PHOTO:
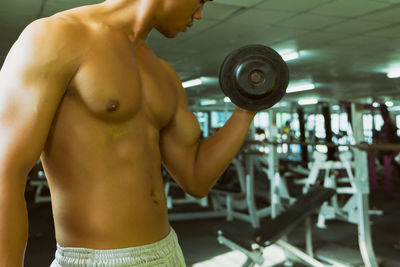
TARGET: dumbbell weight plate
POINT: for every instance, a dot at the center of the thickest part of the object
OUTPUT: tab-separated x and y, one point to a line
254	77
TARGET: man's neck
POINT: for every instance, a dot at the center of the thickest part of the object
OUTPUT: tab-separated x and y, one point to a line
136	18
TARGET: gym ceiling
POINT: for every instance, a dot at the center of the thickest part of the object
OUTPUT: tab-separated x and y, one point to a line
346	47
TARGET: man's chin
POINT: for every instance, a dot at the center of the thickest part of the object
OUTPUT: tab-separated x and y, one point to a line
168	34
171	35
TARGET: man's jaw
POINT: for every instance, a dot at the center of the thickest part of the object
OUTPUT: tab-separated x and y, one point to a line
188	26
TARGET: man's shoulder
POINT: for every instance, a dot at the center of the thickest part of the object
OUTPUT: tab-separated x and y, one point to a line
167	66
172	72
176	79
53	37
169	69
46	41
57	28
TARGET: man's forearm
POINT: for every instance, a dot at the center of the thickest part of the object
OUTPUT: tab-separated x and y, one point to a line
13	225
216	152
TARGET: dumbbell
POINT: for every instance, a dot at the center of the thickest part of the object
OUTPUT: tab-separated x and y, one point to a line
254	77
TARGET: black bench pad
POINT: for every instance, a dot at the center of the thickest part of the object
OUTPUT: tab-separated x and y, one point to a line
272	230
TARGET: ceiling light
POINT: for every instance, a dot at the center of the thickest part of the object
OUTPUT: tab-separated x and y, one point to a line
192	83
375	105
283	104
227	100
300	87
290	56
280	104
393	74
308	101
389	103
208	102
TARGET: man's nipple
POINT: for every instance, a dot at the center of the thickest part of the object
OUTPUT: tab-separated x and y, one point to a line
112	105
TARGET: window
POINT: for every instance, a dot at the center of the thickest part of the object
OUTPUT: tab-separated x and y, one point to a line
219	118
202	117
295	125
261	120
281	119
367	123
315	125
378	122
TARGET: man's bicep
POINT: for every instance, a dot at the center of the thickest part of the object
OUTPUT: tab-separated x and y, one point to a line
178	145
183	131
24	124
180	137
33	80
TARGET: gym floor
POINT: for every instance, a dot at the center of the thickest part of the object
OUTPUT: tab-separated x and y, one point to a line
200	246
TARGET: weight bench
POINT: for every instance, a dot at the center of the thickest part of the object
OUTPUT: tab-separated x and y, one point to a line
218	211
40	185
229	194
274	230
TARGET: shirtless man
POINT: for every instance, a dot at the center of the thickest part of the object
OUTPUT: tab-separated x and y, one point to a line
83	91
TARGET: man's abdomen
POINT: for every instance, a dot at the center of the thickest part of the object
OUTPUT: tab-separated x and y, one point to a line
110	216
105	180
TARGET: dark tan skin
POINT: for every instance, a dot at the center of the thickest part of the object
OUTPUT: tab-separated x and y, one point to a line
82	90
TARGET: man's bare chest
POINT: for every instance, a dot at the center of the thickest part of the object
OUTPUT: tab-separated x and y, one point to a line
116	85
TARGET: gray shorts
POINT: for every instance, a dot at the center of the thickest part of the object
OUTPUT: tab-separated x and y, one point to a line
166	253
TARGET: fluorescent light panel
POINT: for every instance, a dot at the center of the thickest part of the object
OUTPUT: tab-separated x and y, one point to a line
227	100
394	74
290	56
300	87
336	107
208	102
308	101
192	83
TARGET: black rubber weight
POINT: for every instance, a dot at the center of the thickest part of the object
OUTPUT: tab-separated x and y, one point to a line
235	68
